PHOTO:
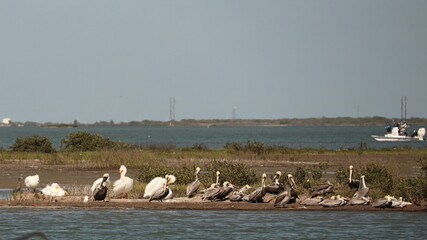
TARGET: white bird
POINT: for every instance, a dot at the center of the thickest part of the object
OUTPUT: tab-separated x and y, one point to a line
54	190
86	199
158	183
31	182
98	182
123	185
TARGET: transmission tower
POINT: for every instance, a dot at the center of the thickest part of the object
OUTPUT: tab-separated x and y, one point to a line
403	110
172	110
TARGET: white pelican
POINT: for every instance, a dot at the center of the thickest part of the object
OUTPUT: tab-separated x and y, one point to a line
54	190
123	185
31	182
158	183
160	193
97	182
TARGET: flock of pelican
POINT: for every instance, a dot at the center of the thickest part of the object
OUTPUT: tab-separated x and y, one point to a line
283	194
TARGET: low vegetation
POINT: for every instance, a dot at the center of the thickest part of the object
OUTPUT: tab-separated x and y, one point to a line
387	171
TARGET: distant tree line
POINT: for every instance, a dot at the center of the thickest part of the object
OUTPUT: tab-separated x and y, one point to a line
322	121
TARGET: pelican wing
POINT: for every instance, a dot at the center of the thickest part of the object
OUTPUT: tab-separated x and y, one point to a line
192	187
154	185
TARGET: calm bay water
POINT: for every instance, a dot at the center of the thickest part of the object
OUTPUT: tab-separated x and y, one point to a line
207	224
216	137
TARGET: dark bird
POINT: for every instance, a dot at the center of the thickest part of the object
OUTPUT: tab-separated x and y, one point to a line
334	201
100	192
288	196
384	202
275	186
362	191
322	189
312	201
213	185
238	195
352	183
193	186
258	194
218	193
18	187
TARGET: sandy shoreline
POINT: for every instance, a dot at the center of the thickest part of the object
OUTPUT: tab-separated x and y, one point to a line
186	204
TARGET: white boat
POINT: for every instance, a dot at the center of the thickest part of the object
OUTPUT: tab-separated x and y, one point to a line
394	136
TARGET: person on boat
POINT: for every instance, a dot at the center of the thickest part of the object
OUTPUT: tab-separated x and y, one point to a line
414	134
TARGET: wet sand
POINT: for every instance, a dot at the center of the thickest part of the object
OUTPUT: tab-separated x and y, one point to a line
181	203
177	205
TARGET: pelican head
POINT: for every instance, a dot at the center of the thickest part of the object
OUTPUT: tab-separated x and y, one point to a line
197	170
264	176
123	169
292	181
106	176
351	166
228	184
217	173
171	179
279	173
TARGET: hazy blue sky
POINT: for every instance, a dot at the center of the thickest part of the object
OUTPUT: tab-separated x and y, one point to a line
123	60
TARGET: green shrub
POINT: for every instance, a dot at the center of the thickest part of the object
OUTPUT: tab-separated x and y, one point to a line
255	147
317	171
300	175
233	146
32	144
378	177
199	147
341	175
84	141
237	173
412	189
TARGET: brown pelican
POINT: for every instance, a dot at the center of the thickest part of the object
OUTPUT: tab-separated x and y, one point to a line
363	190
123	185
98	182
160	193
31	182
384	202
257	195
213	185
275	186
237	196
218	193
322	189
395	203
312	201
352	183
360	201
157	183
334	201
101	191
289	196
19	185
193	186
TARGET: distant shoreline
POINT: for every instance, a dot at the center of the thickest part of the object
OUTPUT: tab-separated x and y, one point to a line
322	121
